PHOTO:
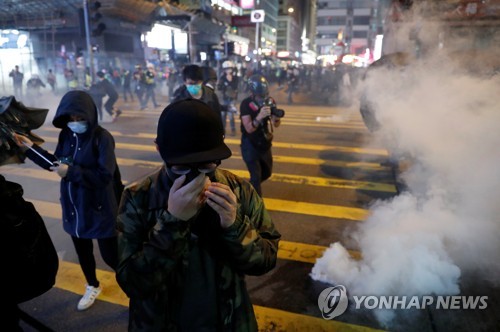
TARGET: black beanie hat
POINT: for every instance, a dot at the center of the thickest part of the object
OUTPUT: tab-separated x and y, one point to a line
189	131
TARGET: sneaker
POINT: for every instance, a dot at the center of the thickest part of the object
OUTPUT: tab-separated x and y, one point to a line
89	297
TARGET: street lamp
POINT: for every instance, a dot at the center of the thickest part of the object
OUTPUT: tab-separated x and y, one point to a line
291	10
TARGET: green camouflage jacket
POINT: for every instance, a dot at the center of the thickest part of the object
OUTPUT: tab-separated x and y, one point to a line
189	275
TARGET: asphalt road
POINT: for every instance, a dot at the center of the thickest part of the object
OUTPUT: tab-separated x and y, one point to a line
327	172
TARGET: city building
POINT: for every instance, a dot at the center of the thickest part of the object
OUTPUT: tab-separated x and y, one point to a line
346	27
289	27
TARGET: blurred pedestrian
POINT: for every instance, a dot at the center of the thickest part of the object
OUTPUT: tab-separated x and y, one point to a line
292	80
51	80
109	90
126	78
189	233
17	80
139	88
228	85
33	86
71	79
149	84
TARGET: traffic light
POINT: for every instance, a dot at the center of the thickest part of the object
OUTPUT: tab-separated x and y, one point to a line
98	27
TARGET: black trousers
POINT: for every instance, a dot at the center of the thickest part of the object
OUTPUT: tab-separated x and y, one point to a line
108	248
259	163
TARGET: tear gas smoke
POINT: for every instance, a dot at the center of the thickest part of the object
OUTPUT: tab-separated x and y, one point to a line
422	241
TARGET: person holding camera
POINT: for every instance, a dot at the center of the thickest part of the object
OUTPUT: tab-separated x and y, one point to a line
259	116
190	232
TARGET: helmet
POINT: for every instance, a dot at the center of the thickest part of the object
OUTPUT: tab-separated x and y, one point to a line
258	85
227	64
189	131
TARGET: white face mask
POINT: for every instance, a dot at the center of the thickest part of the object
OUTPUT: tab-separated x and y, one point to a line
78	127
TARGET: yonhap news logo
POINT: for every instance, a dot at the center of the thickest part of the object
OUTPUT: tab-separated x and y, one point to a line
333	302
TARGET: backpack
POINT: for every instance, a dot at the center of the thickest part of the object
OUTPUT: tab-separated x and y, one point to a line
118	186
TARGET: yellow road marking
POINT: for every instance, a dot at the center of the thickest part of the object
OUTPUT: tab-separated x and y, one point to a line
277	158
322	162
295	251
53	210
313	209
70	278
276	177
323	182
270	319
292	121
294	146
307	253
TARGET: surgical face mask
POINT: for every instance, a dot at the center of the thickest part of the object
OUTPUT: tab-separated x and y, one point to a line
78	127
193	89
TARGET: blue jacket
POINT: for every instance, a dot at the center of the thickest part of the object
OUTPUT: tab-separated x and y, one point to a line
88	200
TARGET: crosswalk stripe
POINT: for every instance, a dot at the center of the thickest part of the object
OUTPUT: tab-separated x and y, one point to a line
323	182
270	319
300	122
295	251
313	209
53	210
371	166
304	252
70	278
276	144
37	173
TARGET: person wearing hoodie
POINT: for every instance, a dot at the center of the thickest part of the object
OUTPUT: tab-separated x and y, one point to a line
85	160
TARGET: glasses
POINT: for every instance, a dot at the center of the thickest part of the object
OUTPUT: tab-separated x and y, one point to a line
202	168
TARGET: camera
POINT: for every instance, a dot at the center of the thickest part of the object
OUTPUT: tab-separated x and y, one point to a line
277	112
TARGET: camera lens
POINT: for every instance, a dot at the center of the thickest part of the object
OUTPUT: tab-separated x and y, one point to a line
278	112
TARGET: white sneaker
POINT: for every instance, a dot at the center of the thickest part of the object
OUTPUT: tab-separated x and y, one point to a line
89	297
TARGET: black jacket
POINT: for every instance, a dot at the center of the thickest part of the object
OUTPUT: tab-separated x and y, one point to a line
208	97
88	200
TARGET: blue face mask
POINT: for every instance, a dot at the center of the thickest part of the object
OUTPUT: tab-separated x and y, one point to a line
193	89
78	127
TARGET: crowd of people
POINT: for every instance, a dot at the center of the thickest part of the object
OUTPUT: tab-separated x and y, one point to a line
333	84
173	236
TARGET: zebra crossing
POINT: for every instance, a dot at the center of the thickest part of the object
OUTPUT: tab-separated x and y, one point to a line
136	154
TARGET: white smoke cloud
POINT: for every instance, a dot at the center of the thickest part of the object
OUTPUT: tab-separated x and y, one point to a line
422	241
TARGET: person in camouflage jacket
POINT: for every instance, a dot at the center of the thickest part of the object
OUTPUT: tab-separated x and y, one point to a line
187	241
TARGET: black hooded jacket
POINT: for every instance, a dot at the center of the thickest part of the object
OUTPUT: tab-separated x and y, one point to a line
89	204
